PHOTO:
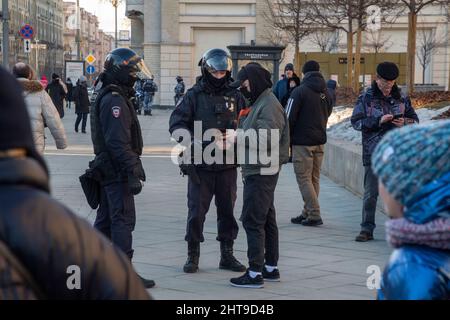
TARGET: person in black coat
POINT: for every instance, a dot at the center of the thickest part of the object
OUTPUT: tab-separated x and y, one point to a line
69	97
331	87
308	110
292	83
46	251
82	103
58	93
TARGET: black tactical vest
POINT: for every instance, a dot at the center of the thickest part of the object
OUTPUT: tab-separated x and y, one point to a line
216	111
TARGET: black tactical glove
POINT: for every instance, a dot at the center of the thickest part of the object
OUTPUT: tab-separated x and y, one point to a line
135	184
138	171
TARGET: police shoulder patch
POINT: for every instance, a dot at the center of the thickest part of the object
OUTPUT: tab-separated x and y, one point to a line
116	111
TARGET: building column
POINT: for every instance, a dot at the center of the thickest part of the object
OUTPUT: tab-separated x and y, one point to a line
152	40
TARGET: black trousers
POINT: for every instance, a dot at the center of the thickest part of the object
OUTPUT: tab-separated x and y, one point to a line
83	124
222	185
116	216
259	221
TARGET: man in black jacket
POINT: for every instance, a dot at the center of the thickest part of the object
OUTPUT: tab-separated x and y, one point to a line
46	251
117	140
214	104
58	93
308	110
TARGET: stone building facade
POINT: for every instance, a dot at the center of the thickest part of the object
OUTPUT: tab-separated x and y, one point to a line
173	34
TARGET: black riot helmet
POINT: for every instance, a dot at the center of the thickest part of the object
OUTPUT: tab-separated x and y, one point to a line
125	67
216	60
179	78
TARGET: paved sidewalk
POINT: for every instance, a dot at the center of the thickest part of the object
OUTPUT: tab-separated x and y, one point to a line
315	262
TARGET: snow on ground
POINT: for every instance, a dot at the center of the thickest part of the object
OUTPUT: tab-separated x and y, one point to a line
339	126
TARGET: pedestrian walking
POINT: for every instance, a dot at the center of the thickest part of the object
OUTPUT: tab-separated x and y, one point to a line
82	103
40	109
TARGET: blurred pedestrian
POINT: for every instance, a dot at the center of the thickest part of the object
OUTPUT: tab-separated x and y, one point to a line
40	108
149	88
281	88
179	89
413	168
331	87
44	81
82	103
58	93
69	97
292	83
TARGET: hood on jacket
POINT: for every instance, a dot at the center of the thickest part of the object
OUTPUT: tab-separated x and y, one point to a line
258	77
30	85
315	81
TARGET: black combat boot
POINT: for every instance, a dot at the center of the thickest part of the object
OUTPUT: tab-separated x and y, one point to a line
191	265
227	260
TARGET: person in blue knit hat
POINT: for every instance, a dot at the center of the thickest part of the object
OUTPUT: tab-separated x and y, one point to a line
413	168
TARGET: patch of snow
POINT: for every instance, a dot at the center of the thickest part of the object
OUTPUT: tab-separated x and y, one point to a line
340	128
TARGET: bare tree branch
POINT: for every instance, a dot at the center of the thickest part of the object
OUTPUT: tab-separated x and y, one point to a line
428	45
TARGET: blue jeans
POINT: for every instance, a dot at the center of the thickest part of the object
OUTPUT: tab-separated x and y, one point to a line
369	200
148	102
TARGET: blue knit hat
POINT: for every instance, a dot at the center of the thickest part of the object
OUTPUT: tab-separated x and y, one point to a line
409	158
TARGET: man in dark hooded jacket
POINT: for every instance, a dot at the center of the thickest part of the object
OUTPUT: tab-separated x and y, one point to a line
308	110
267	119
58	93
46	251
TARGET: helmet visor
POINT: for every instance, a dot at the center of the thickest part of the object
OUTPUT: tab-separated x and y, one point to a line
219	63
143	72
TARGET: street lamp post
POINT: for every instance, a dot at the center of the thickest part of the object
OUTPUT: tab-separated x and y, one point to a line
5	44
115	4
78	32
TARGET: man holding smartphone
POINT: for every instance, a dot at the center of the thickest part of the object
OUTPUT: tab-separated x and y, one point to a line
381	108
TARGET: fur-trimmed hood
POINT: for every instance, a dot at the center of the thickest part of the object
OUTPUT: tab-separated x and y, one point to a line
31	86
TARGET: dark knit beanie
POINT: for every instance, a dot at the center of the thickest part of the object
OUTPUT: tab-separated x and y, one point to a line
289	66
388	70
310	65
15	127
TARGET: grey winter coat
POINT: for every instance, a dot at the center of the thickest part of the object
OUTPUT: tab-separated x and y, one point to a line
42	112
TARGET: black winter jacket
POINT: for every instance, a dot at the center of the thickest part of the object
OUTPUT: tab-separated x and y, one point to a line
308	110
51	242
81	98
57	93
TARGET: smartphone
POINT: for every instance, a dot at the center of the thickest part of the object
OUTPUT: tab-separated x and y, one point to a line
398	116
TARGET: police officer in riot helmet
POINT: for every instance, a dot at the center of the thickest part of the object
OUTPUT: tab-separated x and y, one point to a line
117	140
216	104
